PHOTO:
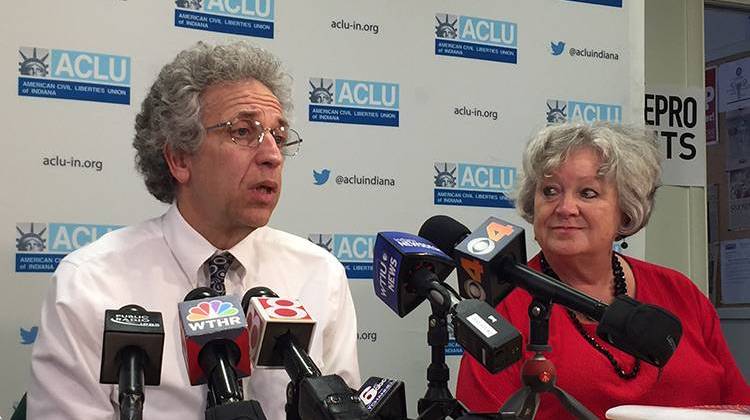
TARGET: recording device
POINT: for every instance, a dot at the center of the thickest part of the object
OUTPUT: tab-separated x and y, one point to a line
215	344
405	268
132	349
281	331
495	253
487	336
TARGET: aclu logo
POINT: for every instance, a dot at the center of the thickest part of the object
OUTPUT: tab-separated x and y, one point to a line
346	101
354	251
612	3
560	111
28	337
76	75
239	17
469	184
41	246
476	38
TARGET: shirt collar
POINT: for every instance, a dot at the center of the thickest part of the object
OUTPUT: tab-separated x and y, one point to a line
190	249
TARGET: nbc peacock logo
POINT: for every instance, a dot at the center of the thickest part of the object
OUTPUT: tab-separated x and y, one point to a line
214	309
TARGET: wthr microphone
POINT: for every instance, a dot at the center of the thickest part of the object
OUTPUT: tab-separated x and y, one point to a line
405	268
215	344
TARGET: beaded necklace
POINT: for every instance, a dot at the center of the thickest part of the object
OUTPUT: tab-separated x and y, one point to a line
620	289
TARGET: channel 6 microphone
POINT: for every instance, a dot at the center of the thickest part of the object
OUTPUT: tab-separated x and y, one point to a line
215	343
495	252
403	264
132	351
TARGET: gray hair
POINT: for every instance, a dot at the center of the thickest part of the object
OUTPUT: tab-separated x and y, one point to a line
629	157
171	112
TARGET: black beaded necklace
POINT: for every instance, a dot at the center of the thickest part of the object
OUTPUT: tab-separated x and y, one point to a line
621	288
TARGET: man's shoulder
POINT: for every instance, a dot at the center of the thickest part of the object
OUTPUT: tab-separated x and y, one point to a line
288	242
125	242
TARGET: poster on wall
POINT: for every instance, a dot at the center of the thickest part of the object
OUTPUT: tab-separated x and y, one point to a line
735	271
711	117
739	199
734	86
673	114
738	140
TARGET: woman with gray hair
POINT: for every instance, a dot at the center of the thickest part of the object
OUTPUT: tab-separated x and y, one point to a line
583	188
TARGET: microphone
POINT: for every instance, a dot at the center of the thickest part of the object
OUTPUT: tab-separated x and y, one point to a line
384	398
495	253
279	322
406	268
476	278
132	349
280	334
215	344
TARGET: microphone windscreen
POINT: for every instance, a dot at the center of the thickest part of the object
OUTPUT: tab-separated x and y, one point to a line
258	291
270	318
444	232
204	321
200	293
133	326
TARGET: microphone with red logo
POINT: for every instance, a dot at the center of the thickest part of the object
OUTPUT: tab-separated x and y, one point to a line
215	346
281	330
132	350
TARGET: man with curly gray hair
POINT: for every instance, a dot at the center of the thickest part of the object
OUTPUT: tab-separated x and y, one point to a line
211	140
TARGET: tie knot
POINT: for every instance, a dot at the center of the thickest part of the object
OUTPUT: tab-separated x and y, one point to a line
218	265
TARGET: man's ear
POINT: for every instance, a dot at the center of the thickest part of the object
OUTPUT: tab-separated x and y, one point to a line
178	162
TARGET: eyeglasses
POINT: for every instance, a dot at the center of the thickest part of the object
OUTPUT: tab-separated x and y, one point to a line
249	133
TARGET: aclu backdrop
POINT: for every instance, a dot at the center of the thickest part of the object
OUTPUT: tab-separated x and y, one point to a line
408	109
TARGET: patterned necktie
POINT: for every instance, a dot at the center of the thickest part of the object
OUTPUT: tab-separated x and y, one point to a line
218	265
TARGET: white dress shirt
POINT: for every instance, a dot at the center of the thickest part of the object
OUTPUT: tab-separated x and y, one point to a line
155	264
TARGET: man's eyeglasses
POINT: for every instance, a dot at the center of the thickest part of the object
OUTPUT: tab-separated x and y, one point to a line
246	132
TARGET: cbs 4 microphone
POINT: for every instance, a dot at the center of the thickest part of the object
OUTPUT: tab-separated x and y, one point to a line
407	269
281	331
216	350
491	263
132	350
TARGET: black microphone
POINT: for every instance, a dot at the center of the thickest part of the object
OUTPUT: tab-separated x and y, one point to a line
407	269
132	350
281	331
384	398
495	253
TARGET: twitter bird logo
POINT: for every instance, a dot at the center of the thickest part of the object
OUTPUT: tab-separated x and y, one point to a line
557	48
28	336
320	178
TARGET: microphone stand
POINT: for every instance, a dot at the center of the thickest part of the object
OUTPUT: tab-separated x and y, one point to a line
539	374
438	402
131	381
